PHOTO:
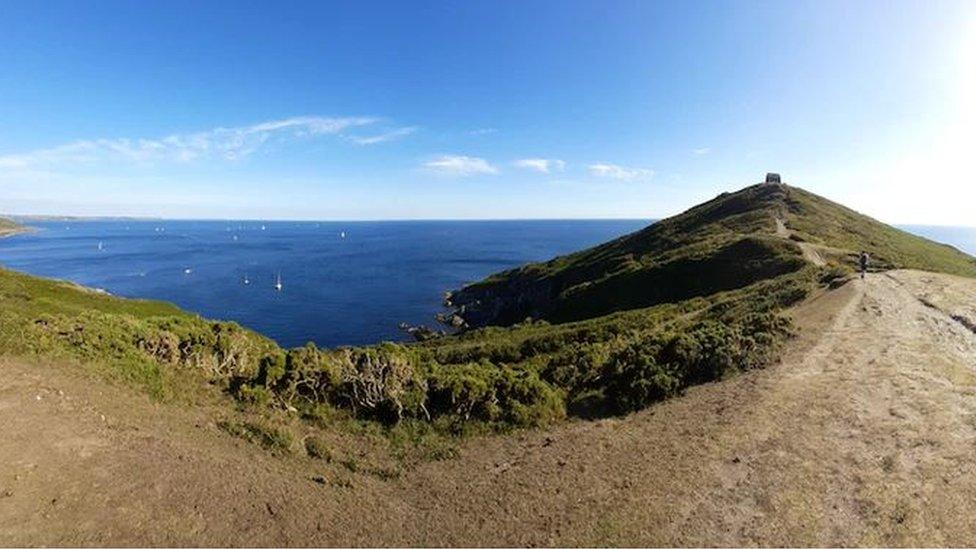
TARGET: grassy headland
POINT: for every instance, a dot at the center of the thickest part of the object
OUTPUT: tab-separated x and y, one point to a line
728	242
690	299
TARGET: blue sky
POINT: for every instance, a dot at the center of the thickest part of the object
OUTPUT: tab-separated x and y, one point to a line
558	109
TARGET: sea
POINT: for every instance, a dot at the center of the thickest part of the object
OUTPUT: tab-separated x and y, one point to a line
342	283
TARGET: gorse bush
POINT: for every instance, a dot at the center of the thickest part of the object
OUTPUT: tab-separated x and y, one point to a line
466	390
489	393
634	378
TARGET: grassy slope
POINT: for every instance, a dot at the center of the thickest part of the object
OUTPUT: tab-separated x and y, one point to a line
124	339
821	221
722	244
693	253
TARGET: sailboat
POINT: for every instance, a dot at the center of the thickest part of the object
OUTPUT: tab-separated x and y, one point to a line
247	280
278	285
101	246
342	234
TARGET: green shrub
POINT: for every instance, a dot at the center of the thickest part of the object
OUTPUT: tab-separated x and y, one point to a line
311	376
634	378
590	404
577	364
486	392
526	400
703	354
465	390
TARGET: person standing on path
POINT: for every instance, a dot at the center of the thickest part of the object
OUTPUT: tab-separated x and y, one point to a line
863	262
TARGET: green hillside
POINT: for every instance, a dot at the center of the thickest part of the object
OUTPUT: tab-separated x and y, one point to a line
690	299
726	243
150	344
822	222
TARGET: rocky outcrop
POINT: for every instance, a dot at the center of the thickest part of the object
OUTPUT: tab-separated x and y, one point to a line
513	301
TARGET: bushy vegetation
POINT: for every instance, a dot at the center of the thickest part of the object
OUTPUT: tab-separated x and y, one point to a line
528	375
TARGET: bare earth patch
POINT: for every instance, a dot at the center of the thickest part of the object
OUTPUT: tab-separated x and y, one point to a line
862	435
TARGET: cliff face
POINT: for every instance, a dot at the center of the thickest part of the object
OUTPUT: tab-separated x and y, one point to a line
728	242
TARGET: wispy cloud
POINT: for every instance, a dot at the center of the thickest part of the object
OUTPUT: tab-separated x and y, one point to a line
483	131
457	165
383	137
542	165
220	143
701	151
623	173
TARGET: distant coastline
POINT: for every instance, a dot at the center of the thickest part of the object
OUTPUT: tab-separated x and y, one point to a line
77	218
11	228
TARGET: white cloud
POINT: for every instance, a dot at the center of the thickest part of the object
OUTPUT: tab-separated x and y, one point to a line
542	165
460	165
386	136
701	151
483	131
613	171
221	143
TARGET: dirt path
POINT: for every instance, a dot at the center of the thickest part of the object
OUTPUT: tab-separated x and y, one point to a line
863	435
810	252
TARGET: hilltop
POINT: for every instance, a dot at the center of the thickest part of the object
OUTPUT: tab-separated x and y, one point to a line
731	241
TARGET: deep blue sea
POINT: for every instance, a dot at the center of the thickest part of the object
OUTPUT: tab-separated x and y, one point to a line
336	291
